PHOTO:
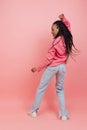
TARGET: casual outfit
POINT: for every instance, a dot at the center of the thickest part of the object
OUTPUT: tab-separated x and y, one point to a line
54	64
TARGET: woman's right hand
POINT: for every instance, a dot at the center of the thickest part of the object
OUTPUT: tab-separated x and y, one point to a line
61	16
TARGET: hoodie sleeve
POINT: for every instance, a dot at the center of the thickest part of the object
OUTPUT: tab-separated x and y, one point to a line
67	23
48	59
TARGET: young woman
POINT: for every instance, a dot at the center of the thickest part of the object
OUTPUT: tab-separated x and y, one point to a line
55	64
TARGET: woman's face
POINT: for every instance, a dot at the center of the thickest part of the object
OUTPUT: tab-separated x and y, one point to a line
54	30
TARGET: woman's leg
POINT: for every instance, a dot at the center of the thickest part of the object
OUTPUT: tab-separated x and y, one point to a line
60	76
46	77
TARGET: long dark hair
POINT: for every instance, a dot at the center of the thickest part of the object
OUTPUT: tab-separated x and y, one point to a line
68	38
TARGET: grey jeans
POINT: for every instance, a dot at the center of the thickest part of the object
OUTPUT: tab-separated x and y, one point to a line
59	71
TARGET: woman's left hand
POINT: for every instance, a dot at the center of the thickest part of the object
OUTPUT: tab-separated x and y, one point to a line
34	69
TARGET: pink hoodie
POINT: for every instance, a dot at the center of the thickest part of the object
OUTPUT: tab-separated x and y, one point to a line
57	53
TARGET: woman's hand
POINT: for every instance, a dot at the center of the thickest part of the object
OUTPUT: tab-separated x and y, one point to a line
33	69
61	16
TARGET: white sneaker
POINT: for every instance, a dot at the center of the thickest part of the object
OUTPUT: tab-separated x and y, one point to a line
33	114
63	118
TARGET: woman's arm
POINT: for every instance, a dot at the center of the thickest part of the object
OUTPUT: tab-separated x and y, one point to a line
65	21
48	59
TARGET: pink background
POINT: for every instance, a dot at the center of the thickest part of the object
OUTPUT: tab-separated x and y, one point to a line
25	36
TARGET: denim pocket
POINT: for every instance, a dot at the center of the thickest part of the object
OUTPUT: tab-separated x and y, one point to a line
52	68
63	68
